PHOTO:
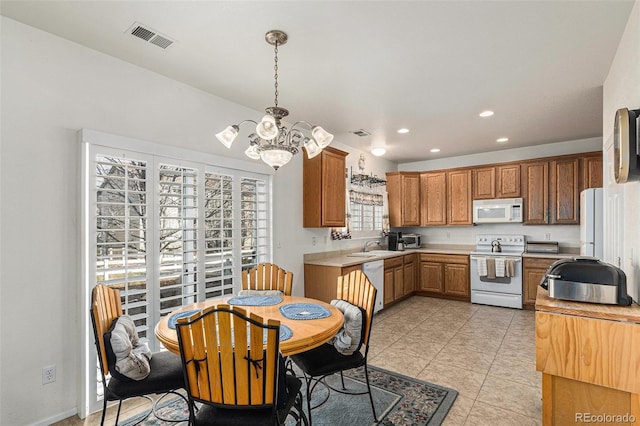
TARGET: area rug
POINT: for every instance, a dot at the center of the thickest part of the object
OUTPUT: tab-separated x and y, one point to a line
399	400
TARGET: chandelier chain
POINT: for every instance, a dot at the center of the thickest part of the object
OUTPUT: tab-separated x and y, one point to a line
275	68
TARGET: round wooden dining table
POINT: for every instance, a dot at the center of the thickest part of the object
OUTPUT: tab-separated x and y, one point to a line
306	334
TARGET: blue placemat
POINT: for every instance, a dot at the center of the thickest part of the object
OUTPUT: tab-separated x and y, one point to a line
255	300
285	333
175	317
304	311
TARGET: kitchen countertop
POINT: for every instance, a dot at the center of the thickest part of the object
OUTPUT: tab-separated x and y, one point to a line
566	253
590	310
341	259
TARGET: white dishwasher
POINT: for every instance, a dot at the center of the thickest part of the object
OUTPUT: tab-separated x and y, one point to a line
374	270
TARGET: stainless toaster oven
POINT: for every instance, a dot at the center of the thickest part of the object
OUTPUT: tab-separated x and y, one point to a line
411	240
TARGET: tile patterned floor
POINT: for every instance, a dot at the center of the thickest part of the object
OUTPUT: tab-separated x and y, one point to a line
486	353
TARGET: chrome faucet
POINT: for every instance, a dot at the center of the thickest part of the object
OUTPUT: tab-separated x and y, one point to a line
368	243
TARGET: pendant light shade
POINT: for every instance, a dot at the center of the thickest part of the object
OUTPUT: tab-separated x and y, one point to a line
228	135
267	128
312	148
275	157
322	137
272	141
252	152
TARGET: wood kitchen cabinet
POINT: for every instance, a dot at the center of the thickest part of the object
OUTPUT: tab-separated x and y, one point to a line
484	183
508	181
404	198
445	274
321	282
564	191
409	277
533	270
591	167
399	277
459	197
551	189
502	181
535	178
433	192
324	189
393	279
587	354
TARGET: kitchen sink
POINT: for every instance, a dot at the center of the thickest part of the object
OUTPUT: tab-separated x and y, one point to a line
362	254
371	253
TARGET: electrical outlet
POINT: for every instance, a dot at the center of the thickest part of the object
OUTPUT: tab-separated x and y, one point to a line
313	241
547	236
48	374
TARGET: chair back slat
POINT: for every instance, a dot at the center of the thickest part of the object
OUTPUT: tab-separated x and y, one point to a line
243	366
191	370
106	306
230	363
272	365
267	276
226	351
256	352
356	289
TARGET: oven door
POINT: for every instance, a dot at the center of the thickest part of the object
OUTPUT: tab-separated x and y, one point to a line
511	285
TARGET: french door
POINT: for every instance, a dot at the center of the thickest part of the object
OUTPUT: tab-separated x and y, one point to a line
167	232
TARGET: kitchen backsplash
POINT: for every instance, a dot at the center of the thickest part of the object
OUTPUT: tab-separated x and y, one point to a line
566	235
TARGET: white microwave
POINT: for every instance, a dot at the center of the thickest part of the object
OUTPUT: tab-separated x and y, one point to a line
501	210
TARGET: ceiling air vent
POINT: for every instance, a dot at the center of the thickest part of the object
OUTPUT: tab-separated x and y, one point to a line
361	132
147	34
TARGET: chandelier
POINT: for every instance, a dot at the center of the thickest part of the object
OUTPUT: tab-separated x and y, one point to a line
272	141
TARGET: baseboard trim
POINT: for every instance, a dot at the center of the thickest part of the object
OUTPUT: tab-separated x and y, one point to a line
56	418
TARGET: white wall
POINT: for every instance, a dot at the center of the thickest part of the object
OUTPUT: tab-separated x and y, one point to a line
507	154
567	235
622	90
50	89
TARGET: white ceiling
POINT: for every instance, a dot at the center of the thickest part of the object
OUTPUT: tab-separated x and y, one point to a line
430	66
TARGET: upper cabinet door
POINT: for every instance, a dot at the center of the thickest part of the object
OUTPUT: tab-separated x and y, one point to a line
410	199
592	171
508	181
564	191
484	183
459	197
334	195
433	191
404	198
536	196
324	189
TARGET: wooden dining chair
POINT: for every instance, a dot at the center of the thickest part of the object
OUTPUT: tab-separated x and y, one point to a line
267	276
233	368
325	360
165	374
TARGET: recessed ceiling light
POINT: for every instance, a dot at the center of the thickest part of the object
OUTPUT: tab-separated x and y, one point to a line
486	113
502	140
403	130
435	150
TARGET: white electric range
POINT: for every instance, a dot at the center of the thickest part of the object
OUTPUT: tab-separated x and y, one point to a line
496	276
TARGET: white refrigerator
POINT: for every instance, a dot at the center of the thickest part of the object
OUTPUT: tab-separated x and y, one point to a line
591	208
